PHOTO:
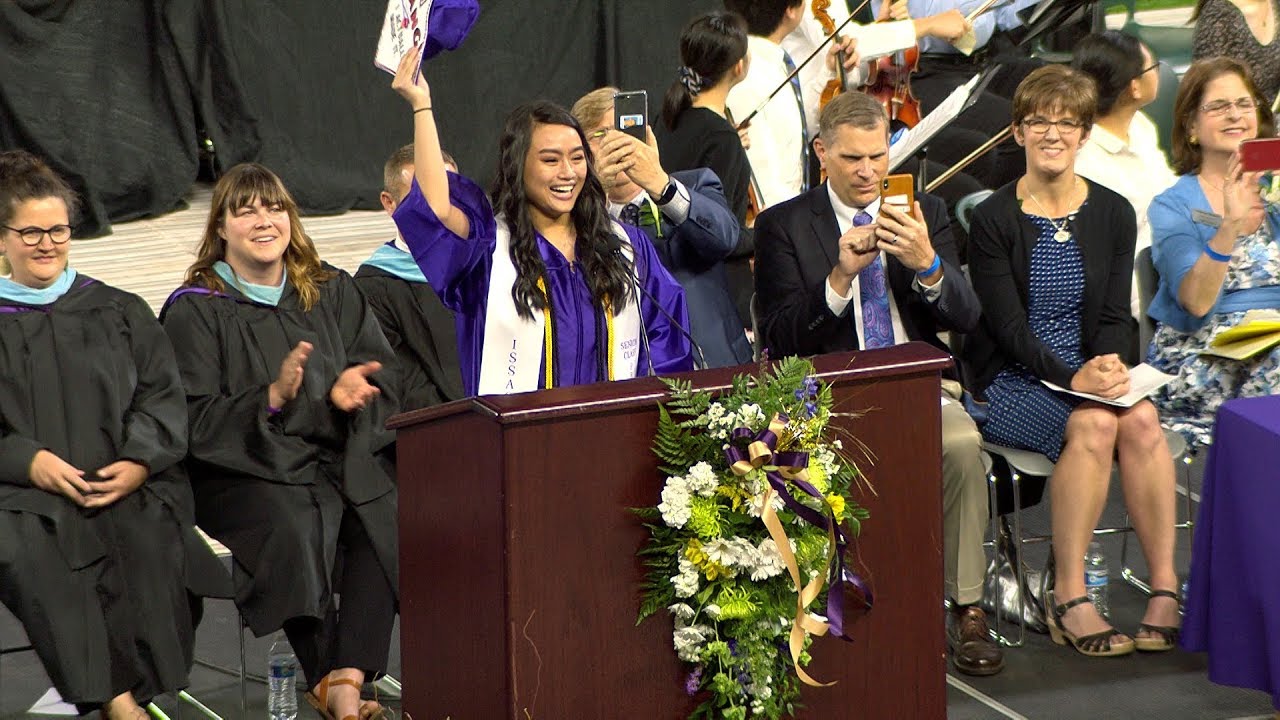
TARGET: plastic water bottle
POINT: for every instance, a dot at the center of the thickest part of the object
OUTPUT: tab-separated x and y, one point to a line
1096	577
282	673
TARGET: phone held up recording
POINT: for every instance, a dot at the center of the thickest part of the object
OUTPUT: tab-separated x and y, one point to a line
631	113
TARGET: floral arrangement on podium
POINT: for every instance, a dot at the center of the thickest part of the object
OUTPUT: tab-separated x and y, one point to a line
749	537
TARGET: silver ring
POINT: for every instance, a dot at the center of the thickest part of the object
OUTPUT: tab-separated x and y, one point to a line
894	239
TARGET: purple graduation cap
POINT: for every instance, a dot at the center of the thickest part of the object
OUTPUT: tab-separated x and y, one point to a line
448	25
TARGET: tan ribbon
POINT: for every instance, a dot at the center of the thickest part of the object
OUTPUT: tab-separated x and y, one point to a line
760	453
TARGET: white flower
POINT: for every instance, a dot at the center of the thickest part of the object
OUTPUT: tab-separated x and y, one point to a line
770	562
702	480
721	552
712	610
745	554
682	613
715	411
686	583
837	444
750	415
675	503
688	641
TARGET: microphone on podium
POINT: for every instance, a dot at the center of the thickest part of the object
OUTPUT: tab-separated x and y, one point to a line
699	357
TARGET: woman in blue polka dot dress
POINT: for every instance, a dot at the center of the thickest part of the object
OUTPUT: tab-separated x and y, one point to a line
1051	256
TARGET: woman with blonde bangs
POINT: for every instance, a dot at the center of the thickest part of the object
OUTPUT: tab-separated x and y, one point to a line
1051	257
280	358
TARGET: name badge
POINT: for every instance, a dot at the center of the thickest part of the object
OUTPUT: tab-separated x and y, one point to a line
1206	218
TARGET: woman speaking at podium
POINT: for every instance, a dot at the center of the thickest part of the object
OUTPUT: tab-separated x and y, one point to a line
548	291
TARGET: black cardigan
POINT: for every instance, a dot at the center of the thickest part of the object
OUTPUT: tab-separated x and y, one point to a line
1000	241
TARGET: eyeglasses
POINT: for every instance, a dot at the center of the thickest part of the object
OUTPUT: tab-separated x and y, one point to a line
1221	107
1154	64
1040	126
31	236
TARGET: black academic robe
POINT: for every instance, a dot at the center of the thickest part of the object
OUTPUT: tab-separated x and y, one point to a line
422	333
91	378
273	487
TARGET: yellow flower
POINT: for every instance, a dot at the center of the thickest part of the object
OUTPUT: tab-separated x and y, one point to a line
837	505
818	475
715	570
693	552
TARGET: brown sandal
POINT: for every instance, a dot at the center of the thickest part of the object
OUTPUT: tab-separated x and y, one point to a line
1099	644
319	698
1163	637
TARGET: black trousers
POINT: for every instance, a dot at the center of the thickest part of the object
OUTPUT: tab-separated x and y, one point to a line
356	633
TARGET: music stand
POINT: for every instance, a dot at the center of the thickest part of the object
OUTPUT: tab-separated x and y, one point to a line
916	140
1050	15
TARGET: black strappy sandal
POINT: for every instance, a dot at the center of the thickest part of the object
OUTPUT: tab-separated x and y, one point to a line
1099	644
1163	637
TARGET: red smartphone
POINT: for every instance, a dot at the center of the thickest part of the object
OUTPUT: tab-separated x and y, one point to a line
1260	155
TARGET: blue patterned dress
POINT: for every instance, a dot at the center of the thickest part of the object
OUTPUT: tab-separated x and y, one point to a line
1023	412
1203	382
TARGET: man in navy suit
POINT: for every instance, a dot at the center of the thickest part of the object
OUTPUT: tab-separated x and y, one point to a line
837	269
687	217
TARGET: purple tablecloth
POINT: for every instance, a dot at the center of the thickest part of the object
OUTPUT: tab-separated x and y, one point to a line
1233	604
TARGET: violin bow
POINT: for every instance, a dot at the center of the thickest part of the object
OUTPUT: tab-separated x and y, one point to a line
747	120
989	4
751	172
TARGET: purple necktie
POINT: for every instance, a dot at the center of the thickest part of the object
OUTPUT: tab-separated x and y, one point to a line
877	326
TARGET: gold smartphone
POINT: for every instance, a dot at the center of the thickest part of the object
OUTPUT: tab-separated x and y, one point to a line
899	191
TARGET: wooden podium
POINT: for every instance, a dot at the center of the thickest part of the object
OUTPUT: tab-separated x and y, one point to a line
519	584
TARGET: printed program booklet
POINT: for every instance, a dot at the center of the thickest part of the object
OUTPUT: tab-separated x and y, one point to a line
1143	380
1259	330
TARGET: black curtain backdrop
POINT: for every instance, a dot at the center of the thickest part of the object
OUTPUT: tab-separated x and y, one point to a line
118	95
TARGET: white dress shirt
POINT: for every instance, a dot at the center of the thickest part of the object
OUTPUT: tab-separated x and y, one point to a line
840	303
777	144
883	39
1137	170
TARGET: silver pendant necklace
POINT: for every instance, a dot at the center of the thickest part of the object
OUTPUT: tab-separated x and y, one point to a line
1061	234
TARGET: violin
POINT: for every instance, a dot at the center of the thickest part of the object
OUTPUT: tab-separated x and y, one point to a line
838	84
889	81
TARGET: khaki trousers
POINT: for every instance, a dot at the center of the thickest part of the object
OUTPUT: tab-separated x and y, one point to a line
965	509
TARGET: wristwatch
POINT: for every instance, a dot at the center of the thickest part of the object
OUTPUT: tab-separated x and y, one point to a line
668	193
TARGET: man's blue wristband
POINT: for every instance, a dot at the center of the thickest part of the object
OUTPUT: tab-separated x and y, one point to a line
1214	255
937	264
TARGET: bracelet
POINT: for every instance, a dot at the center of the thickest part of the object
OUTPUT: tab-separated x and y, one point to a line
272	410
937	264
1214	255
425	109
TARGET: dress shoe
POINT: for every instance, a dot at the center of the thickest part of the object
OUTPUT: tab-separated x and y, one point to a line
972	649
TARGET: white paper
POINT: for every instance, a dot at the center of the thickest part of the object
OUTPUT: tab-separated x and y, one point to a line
51	703
403	27
912	140
1143	380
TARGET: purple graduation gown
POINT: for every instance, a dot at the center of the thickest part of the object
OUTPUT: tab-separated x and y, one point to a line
459	270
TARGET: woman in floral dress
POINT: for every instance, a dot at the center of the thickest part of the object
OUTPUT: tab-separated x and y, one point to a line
1214	246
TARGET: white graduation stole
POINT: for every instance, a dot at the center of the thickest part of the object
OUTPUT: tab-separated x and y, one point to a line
514	346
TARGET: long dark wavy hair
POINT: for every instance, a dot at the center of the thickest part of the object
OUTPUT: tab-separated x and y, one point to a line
710	46
606	270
